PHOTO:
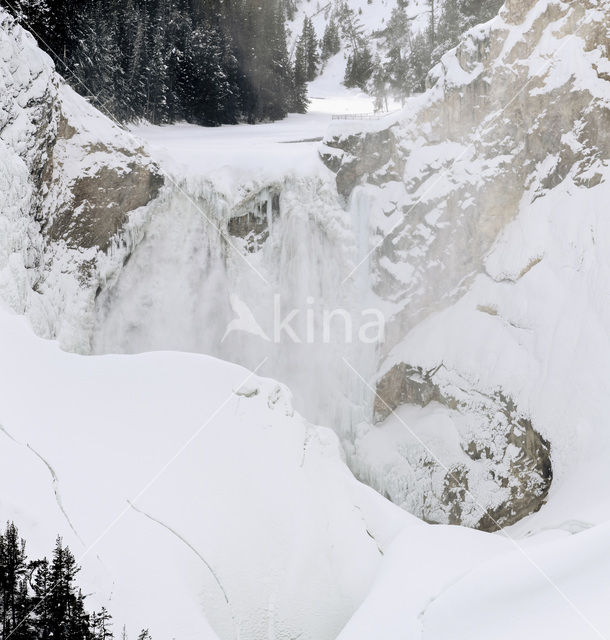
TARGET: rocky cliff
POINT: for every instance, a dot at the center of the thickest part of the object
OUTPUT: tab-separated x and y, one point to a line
72	183
517	112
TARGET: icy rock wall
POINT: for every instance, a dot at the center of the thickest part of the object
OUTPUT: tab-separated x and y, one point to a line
519	109
74	190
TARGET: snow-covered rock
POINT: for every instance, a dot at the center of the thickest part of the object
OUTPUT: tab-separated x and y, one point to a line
73	184
509	142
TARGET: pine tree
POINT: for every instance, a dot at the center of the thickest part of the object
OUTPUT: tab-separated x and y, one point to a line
419	63
310	43
300	101
282	81
380	85
331	41
351	27
359	68
449	29
67	619
40	604
101	625
157	83
13	584
395	40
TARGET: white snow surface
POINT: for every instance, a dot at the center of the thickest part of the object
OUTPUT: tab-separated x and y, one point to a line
219	470
224	477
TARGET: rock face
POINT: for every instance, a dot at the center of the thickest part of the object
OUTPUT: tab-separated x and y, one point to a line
517	110
372	154
254	226
73	184
100	204
506	446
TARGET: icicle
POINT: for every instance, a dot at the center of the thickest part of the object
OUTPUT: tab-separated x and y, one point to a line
269	210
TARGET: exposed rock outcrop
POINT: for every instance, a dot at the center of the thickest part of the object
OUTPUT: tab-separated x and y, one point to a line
253	226
500	443
373	155
100	206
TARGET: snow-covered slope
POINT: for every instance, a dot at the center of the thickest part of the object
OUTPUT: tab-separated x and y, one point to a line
326	92
209	509
242	514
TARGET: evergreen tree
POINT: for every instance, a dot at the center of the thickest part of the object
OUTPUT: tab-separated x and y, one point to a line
359	68
206	89
331	41
67	617
419	63
101	625
310	43
351	27
281	73
380	86
40	604
395	40
300	100
13	584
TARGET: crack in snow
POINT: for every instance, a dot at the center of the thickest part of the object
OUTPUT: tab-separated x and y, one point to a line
199	555
367	530
54	480
58	498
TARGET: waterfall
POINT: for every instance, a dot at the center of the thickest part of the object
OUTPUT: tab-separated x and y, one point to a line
191	286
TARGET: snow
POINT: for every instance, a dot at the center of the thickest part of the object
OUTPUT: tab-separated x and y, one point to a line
267	151
448	582
238	480
200	503
328	94
264	499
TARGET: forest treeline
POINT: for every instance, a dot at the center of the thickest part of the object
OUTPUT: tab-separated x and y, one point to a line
214	62
398	64
204	61
41	600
